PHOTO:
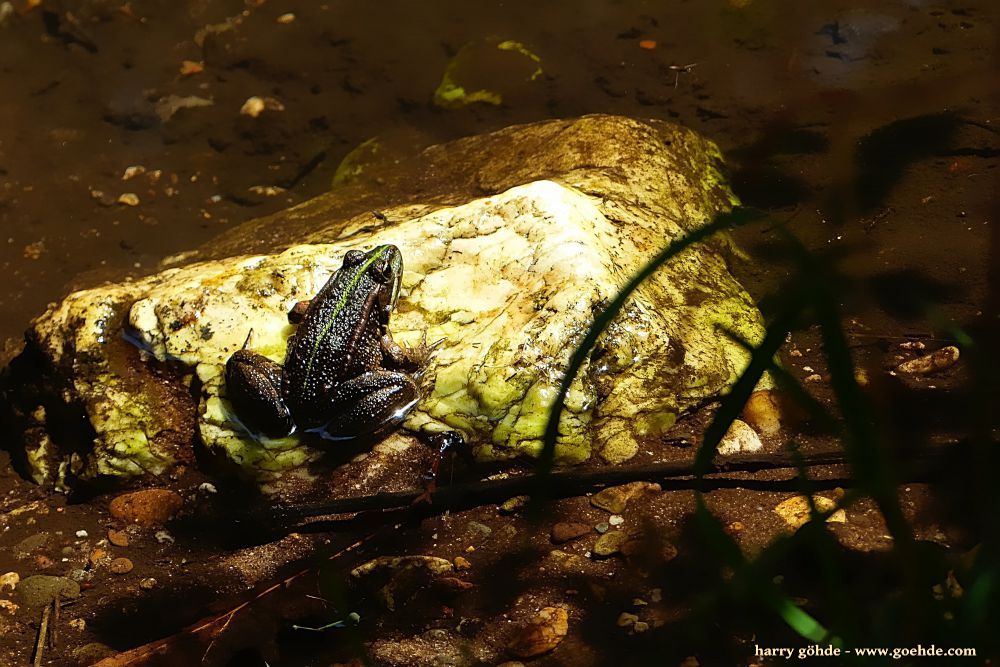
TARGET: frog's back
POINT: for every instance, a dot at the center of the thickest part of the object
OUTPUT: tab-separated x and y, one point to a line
337	340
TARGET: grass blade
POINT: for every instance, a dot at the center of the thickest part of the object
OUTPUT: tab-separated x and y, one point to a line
736	217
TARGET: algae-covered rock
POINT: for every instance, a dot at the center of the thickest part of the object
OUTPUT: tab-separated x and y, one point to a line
40	589
485	71
90	406
527	234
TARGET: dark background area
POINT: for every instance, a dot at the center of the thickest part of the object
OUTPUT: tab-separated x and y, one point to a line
870	124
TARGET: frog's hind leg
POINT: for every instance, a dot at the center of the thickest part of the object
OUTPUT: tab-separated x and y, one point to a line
371	405
253	387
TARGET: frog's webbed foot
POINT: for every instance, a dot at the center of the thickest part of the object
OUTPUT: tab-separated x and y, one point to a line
440	444
253	387
409	359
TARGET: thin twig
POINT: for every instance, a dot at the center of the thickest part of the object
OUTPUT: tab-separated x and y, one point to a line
54	632
562	483
212	626
43	633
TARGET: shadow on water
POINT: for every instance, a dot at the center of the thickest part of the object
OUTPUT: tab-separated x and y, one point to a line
762	179
883	156
906	294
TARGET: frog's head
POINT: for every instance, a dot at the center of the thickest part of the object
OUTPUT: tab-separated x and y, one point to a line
383	265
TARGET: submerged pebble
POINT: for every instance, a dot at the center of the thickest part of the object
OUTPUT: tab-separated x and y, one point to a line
542	633
9	580
119	538
763	412
564	531
795	510
189	67
93	652
514	504
738	439
80	575
480	530
610	543
120	566
255	106
930	363
148	507
625	619
614	498
30	544
41	589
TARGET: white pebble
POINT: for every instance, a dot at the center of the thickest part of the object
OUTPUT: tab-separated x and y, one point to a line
133	171
739	438
163	537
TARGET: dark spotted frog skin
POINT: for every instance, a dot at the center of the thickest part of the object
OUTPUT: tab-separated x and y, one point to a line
343	377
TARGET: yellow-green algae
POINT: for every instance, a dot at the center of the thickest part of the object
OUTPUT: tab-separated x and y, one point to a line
510	282
353	164
481	71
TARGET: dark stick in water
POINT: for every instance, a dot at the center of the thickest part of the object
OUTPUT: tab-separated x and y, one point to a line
577	482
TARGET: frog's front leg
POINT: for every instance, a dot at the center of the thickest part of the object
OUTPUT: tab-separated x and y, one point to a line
297	313
409	359
253	386
370	405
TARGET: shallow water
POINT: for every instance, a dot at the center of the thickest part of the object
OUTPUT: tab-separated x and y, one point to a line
788	90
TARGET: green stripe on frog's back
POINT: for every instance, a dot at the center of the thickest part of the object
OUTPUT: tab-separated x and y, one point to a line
340	305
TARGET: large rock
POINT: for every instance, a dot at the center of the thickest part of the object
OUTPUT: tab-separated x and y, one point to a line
511	242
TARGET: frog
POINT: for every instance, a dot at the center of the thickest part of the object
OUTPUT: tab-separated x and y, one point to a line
344	377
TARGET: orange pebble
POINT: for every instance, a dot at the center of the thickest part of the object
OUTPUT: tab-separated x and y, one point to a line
189	67
648	44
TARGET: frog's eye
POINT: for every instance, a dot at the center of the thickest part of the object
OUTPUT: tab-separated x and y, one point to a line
381	272
353	257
